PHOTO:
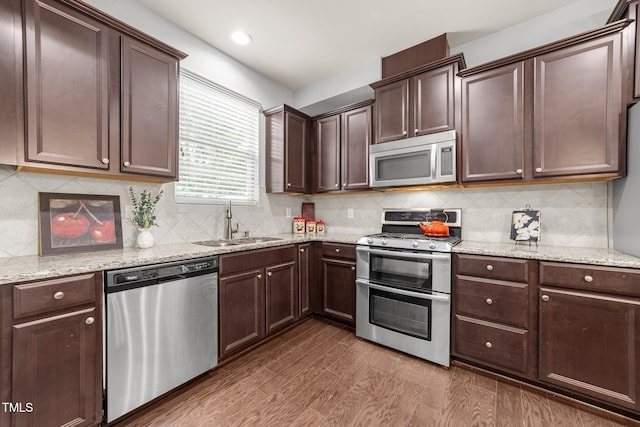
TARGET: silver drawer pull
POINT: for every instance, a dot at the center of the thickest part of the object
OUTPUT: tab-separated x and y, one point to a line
488	344
89	320
337	250
259	276
58	295
545	297
127	164
588	279
538	170
518	171
301	249
489	301
269	274
490	267
105	161
353	268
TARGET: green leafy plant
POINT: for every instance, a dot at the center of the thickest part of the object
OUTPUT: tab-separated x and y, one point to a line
144	215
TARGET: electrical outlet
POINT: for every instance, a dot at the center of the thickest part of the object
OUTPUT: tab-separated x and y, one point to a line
288	212
350	213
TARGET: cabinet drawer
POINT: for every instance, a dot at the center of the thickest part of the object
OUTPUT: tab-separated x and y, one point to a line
51	295
516	270
498	345
242	261
503	302
623	281
337	250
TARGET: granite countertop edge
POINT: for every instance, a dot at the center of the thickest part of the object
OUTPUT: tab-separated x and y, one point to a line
30	268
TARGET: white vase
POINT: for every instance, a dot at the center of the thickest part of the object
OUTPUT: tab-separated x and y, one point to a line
145	238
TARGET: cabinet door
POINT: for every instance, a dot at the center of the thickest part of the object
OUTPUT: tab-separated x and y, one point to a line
493	124
433	101
356	140
67	86
56	369
589	344
304	278
149	120
281	303
241	311
339	289
327	132
578	104
296	146
11	83
392	111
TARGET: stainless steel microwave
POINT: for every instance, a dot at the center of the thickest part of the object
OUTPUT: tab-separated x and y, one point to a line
427	159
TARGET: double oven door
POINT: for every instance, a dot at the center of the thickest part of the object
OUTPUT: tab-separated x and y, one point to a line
403	301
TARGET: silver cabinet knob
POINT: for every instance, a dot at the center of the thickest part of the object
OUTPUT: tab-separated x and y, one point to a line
127	164
89	320
105	161
353	268
269	274
58	295
588	279
489	267
416	131
489	301
302	250
337	250
259	276
344	184
545	298
288	184
488	344
538	170
337	185
404	132
518	171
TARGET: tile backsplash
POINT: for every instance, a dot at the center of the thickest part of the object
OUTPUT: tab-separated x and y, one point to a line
572	214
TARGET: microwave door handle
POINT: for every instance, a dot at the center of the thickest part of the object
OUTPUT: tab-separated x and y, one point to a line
432	297
409	255
434	163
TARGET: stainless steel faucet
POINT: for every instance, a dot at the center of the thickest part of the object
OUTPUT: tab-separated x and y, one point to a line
229	229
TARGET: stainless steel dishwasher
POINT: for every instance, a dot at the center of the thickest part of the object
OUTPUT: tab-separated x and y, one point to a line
161	330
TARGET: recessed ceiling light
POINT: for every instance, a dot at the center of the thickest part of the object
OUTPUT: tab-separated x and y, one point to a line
241	38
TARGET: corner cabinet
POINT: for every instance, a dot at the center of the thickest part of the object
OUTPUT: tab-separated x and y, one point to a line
556	111
417	102
110	108
342	140
51	352
287	150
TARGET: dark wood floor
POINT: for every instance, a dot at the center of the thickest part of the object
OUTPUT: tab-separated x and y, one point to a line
320	374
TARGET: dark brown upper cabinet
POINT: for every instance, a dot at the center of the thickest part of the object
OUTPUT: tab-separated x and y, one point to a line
417	102
101	97
287	150
628	9
342	140
554	112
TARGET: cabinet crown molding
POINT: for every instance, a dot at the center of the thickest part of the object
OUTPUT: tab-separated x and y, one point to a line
458	58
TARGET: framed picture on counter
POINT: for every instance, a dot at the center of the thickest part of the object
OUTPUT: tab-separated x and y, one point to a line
70	223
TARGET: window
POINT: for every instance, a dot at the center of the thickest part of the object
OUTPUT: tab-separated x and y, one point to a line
218	144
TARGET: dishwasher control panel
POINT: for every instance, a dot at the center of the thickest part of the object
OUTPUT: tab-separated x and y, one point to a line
160	272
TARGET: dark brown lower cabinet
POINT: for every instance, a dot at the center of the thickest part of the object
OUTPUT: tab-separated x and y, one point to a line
590	344
339	282
51	348
258	295
308	283
241	311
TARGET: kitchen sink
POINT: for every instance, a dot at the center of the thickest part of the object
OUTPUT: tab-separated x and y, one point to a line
235	242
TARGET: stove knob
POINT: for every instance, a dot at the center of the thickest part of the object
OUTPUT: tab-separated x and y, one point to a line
414	244
370	240
432	245
384	241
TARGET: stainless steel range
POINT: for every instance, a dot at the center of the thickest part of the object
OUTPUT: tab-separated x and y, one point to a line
403	298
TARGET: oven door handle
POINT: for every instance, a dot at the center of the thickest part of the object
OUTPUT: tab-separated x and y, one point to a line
441	298
411	255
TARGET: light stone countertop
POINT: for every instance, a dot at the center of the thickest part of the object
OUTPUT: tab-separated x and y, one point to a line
28	268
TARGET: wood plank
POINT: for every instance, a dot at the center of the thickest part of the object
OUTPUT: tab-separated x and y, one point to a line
483	407
509	408
424	416
536	409
457	411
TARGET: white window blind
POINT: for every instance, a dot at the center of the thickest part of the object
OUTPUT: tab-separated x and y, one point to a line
218	144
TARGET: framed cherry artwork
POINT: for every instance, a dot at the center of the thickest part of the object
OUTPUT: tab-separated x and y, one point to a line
70	223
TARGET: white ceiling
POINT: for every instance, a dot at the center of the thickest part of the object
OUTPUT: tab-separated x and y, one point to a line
299	42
